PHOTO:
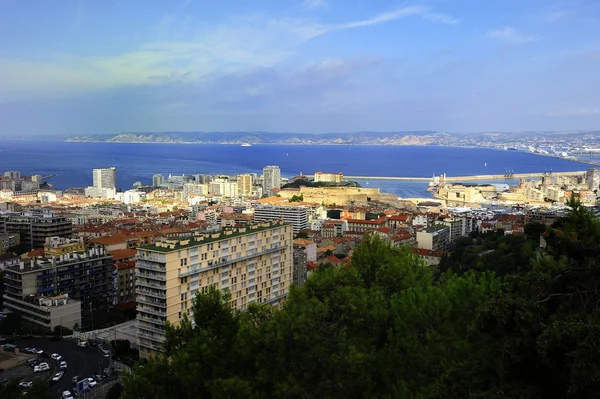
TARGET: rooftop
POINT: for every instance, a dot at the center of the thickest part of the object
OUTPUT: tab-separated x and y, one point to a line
199	239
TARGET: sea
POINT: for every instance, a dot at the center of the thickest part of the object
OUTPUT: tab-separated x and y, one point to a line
72	162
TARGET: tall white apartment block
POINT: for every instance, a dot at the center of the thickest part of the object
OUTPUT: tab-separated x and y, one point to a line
105	178
271	179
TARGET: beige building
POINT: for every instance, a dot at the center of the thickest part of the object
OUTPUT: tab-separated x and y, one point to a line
244	183
434	238
9	240
57	246
48	311
329	177
254	263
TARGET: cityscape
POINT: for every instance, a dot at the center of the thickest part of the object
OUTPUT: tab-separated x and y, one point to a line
300	199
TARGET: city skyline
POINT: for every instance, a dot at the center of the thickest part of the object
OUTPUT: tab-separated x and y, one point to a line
298	66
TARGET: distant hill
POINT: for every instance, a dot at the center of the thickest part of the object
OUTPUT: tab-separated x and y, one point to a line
394	138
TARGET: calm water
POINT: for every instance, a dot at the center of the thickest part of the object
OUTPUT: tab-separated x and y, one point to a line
73	162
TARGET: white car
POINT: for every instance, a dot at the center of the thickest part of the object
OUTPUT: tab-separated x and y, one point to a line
83	344
56	356
57	376
41	367
63	365
91	382
38	351
25	384
67	395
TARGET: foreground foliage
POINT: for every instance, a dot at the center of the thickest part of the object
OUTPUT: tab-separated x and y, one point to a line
386	327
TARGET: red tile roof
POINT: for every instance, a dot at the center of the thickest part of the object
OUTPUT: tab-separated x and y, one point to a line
119	254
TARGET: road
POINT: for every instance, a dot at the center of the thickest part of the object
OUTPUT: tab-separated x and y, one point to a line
83	362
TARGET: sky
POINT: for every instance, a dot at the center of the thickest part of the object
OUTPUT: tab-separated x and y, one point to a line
77	67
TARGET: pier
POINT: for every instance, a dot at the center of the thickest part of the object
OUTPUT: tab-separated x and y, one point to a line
468	178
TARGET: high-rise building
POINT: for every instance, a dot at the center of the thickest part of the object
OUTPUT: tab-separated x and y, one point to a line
105	178
592	179
35	227
271	179
223	187
194	188
158	180
244	183
84	274
297	216
254	263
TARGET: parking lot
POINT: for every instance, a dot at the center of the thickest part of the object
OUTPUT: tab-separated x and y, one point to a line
82	362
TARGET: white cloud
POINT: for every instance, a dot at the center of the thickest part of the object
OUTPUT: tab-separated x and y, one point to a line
443	18
512	35
240	44
309	4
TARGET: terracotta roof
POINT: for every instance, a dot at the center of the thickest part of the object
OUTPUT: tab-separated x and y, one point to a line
303	242
379	220
119	254
125	265
110	240
398	218
35	252
384	230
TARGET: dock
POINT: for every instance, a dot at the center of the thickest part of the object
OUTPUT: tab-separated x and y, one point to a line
469	178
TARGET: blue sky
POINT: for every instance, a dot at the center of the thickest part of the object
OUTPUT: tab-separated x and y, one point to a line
91	67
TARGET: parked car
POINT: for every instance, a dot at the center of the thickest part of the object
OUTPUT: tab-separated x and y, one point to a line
83	344
99	378
38	351
92	383
41	367
25	384
57	376
31	362
75	379
67	395
26	350
63	365
56	357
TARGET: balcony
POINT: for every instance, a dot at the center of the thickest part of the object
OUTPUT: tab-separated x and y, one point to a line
149	319
153	276
149	327
149	344
142	283
153	311
151	266
152	293
151	301
151	336
229	261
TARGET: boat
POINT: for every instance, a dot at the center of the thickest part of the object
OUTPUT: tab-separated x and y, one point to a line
246	145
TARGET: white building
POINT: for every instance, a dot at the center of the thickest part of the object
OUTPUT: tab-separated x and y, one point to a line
328	177
223	188
194	189
297	216
271	179
105	178
100	192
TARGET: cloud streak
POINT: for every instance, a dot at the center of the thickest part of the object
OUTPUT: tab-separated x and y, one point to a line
510	34
310	4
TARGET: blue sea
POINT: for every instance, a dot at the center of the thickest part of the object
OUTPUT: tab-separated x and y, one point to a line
72	163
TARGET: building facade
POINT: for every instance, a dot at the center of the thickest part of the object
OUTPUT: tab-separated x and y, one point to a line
297	216
85	276
434	238
244	183
34	228
47	311
254	264
328	177
105	178
9	240
271	179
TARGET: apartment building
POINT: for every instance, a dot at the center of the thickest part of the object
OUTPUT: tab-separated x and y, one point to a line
271	179
334	228
105	178
124	281
297	216
8	241
299	269
47	311
253	263
434	238
35	227
244	183
85	276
